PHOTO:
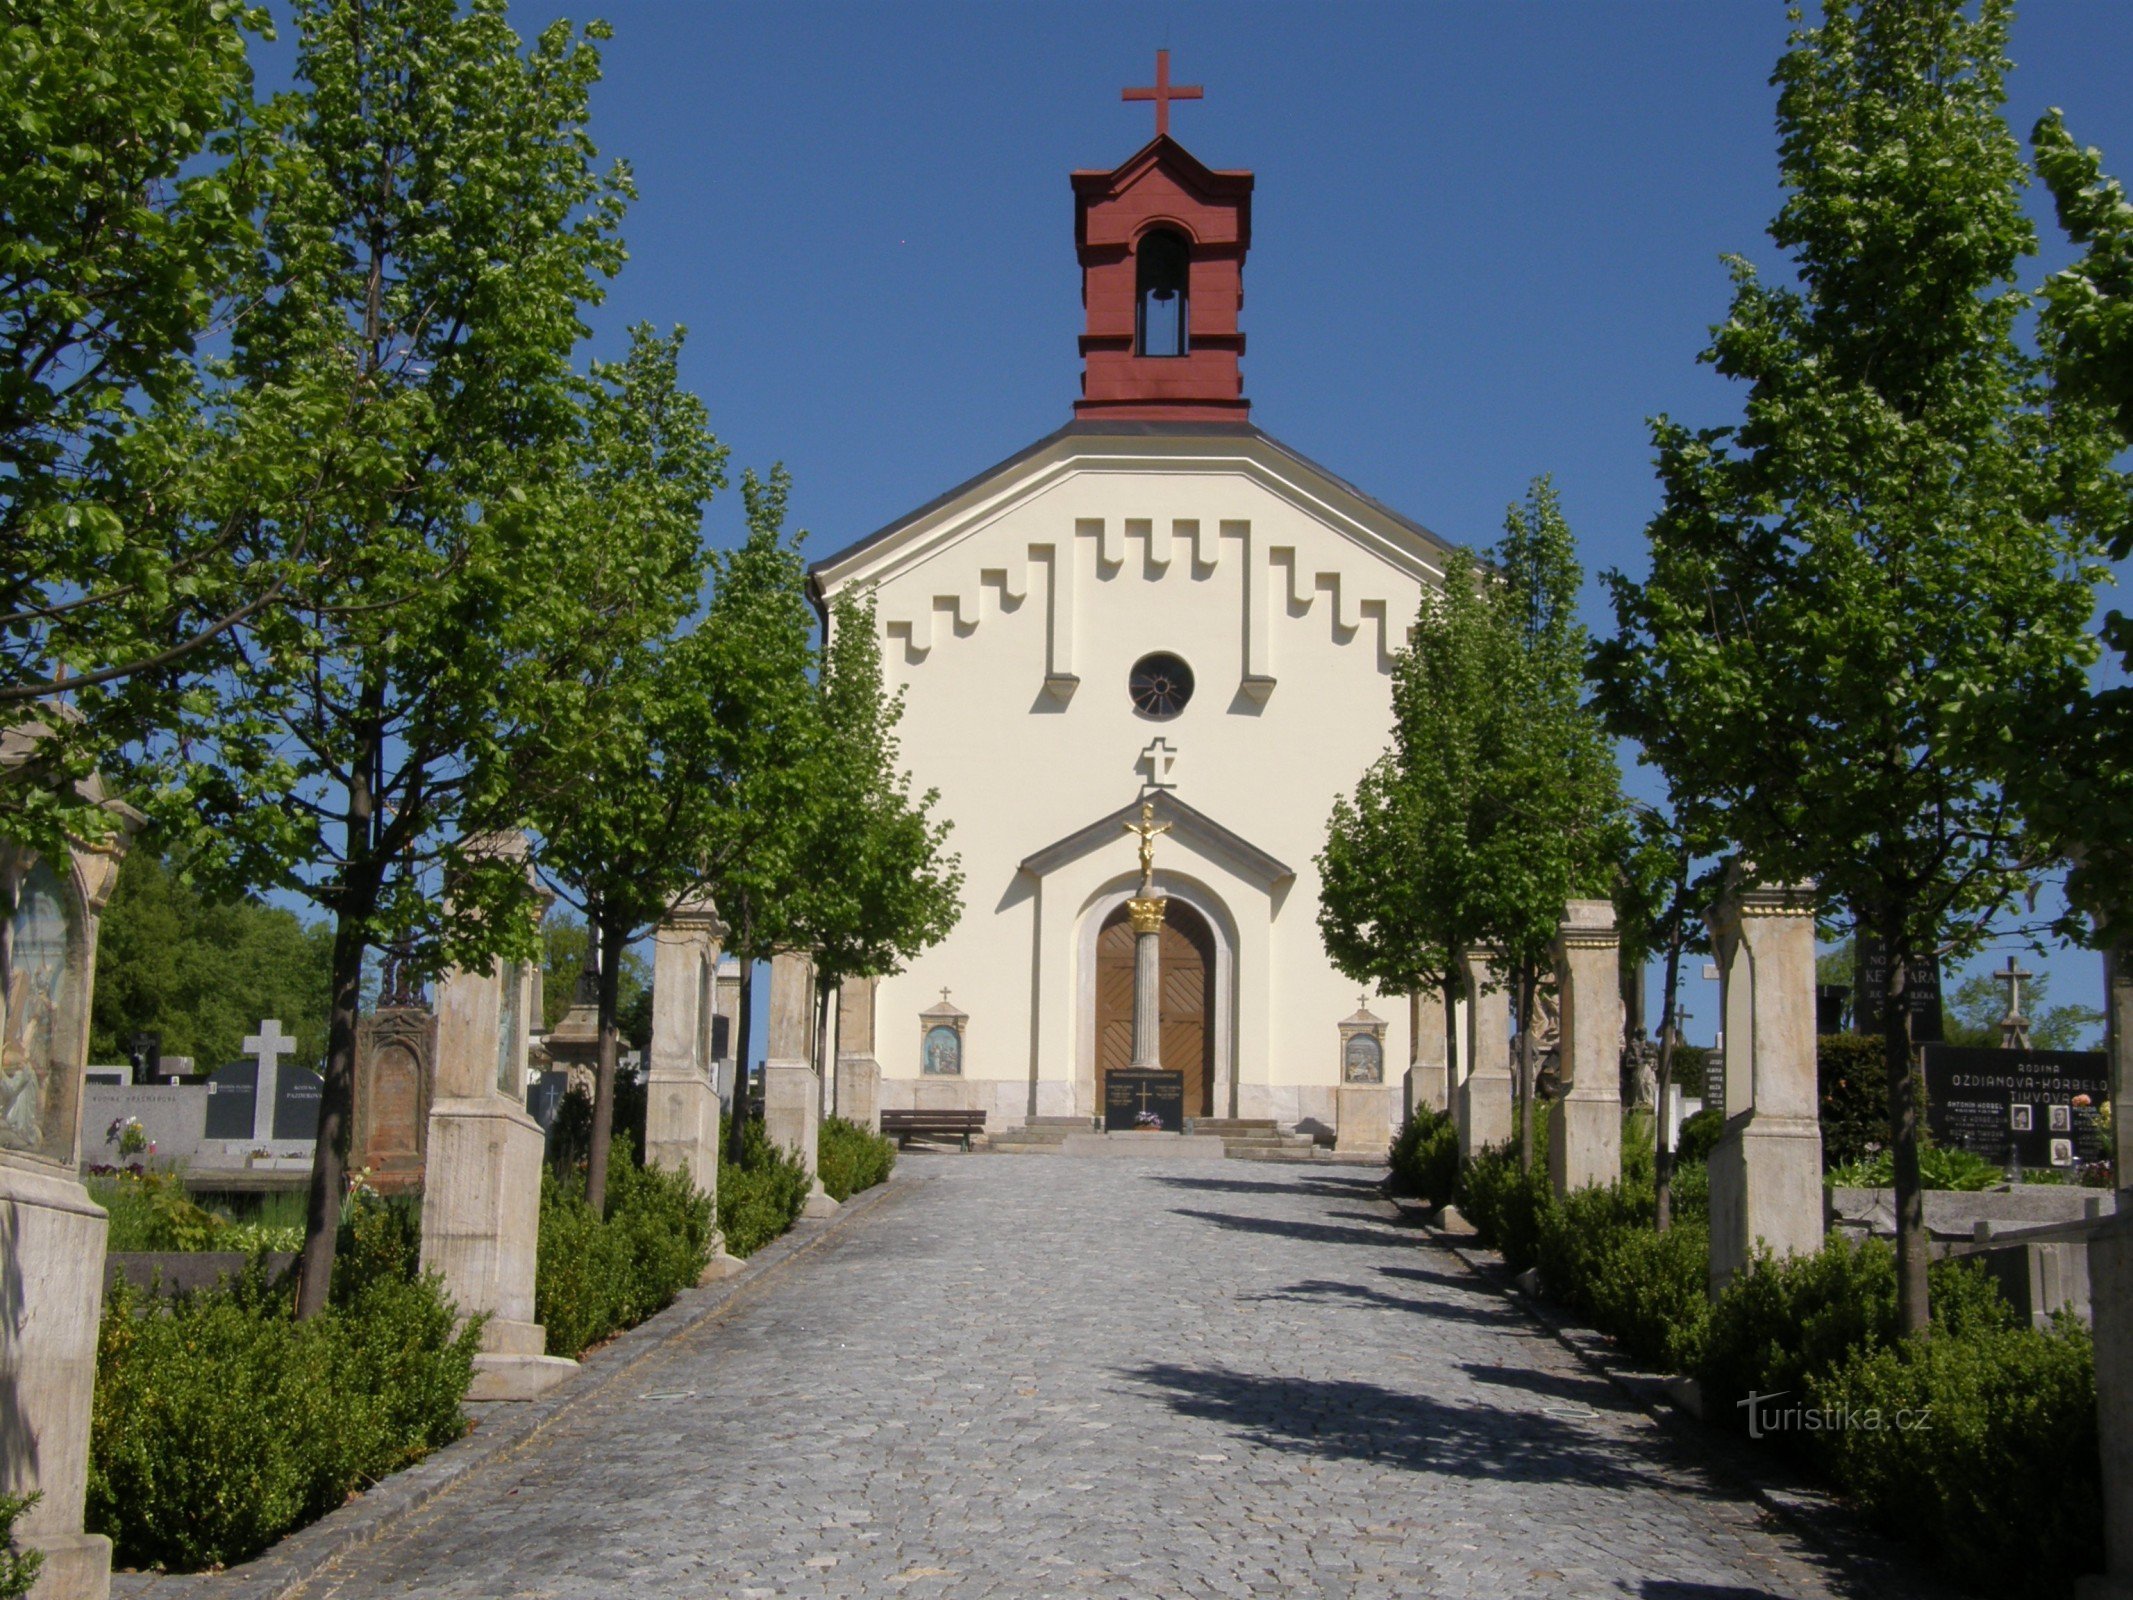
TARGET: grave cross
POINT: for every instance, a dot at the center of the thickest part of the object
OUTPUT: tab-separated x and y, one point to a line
1163	93
2014	1027
267	1047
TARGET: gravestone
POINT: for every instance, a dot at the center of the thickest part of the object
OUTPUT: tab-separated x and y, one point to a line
1363	1103
267	1047
232	1099
792	1089
681	1117
296	1101
1485	1102
52	1235
2043	1108
1585	1121
1144	1100
1766	1169
396	1055
1872	997
481	1189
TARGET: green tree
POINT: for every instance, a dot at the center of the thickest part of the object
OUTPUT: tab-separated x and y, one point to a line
202	975
1854	591
876	886
128	196
565	957
624	782
435	225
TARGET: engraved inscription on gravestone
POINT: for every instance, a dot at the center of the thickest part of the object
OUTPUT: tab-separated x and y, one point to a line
296	1099
1144	1100
1924	989
2043	1107
232	1092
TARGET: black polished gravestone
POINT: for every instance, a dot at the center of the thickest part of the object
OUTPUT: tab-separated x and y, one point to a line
1144	1100
1872	995
2041	1107
231	1093
296	1094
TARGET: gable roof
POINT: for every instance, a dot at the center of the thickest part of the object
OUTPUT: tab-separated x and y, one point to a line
1429	546
1185	821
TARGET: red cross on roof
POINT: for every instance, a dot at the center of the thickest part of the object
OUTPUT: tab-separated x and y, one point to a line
1163	93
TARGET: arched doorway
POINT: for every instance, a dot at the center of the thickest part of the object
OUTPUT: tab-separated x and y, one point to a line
1188	1003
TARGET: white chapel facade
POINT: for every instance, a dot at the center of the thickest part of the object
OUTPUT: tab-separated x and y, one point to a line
1157	602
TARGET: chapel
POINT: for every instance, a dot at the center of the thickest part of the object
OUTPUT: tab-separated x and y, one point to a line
1156	603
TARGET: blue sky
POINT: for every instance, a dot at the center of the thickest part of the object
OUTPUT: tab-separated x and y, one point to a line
1486	240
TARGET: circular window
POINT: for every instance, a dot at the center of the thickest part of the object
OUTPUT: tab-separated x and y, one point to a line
1161	684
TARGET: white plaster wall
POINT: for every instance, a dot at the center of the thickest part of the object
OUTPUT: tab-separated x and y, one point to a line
1286	601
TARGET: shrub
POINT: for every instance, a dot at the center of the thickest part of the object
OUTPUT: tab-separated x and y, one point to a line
1853	1083
1425	1157
150	1211
1648	1290
595	1277
1698	1135
1938	1168
220	1423
2001	1482
848	1158
18	1567
1505	1204
759	1199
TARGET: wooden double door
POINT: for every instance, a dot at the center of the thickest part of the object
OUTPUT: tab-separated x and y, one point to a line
1188	1003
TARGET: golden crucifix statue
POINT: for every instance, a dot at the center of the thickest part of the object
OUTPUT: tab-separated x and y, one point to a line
1149	830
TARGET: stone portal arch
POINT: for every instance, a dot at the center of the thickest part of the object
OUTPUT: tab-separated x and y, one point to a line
1199	999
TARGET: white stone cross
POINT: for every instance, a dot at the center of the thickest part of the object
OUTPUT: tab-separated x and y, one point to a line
267	1047
1157	761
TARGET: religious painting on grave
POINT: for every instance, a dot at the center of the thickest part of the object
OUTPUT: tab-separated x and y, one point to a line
36	1105
2043	1108
296	1102
944	1051
1874	989
1363	1061
1144	1100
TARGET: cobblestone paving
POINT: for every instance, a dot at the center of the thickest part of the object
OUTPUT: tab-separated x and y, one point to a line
1040	1376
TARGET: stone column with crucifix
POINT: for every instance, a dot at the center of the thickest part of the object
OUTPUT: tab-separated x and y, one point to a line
681	1108
51	1233
481	1181
1585	1123
1146	910
792	1089
1766	1169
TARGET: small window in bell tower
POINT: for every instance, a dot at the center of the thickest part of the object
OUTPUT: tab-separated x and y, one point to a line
1161	326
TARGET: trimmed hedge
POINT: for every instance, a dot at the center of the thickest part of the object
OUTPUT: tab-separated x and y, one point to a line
1853	1083
595	1277
848	1158
1425	1157
759	1199
220	1423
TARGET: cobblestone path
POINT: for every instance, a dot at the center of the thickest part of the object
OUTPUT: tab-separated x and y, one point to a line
1039	1376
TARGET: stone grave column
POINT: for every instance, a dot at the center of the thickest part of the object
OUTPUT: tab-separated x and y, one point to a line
858	1072
1431	1080
2118	1041
1484	1104
1362	1120
1766	1170
681	1112
792	1089
51	1233
1585	1124
481	1178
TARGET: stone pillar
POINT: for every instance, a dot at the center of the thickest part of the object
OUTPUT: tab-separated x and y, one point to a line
681	1106
481	1182
2118	1041
1431	1080
792	1089
51	1233
1147	914
1766	1170
1485	1102
858	1072
1585	1124
2110	1251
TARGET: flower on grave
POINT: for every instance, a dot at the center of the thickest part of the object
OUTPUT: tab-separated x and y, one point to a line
128	1134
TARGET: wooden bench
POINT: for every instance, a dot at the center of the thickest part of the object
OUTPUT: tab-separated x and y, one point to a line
903	1126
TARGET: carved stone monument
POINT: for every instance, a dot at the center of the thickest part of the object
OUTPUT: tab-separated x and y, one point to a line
51	1234
1430	1077
1484	1104
792	1089
1363	1113
396	1076
1585	1121
681	1111
858	1072
1766	1170
481	1193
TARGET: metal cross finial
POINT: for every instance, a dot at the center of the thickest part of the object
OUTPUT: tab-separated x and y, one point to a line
944	994
1149	830
1163	92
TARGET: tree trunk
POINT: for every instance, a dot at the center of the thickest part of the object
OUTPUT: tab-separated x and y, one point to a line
1663	1133
1528	997
603	1123
1913	1307
735	1135
336	1108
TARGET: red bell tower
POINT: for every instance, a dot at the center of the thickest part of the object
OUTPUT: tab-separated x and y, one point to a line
1161	241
